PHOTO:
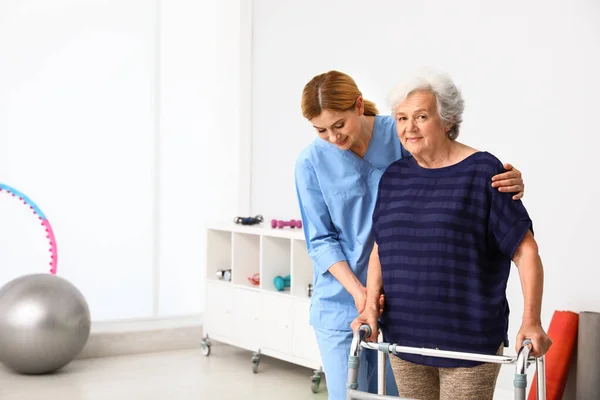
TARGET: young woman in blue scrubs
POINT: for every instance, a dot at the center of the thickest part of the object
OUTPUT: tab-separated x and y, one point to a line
337	177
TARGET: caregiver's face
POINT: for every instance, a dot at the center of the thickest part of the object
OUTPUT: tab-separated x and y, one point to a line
340	128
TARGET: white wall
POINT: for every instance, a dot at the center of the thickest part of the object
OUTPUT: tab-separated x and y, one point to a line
77	118
529	74
109	120
187	117
204	146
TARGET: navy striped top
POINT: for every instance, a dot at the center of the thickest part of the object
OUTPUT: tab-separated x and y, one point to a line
446	239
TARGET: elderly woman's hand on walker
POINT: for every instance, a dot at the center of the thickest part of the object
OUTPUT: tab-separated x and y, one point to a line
531	273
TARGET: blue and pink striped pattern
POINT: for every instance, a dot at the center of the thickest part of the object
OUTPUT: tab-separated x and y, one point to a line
44	222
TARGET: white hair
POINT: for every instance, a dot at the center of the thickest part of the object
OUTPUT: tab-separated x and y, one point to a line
449	101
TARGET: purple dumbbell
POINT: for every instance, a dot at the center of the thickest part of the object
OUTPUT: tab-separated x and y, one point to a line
293	223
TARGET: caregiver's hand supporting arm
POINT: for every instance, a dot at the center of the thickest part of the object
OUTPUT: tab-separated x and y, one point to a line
321	236
342	272
374	302
531	273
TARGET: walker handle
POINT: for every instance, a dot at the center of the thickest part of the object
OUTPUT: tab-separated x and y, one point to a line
366	329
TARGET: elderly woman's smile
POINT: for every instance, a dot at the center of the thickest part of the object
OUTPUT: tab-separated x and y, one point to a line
419	126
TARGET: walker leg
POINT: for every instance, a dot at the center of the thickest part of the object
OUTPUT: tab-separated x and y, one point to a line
381	368
540	366
354	361
520	380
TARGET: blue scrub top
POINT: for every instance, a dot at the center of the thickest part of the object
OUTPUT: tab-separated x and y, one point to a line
336	192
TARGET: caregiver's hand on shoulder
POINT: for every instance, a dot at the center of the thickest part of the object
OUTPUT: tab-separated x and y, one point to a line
369	317
539	339
510	182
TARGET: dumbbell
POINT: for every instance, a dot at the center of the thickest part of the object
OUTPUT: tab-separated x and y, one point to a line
282	282
293	223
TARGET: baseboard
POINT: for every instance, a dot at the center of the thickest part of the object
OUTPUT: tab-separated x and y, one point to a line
116	338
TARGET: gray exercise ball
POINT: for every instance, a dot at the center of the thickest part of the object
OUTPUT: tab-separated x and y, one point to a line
44	323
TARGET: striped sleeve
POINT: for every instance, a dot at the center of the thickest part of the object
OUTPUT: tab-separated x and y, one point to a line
508	222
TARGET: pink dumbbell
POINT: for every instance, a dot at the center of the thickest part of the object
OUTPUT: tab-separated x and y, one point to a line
292	223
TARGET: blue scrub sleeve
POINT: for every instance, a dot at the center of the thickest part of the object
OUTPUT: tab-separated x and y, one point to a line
320	234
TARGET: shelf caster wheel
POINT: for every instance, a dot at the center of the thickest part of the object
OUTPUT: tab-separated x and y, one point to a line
255	362
205	347
315	382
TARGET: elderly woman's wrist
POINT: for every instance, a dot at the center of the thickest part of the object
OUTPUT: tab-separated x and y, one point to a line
531	320
372	303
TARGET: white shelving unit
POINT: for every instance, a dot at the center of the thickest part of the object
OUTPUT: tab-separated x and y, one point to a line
260	318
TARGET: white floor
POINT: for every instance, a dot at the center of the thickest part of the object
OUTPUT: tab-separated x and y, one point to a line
226	374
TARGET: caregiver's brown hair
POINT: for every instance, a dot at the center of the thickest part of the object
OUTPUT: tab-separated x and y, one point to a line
333	91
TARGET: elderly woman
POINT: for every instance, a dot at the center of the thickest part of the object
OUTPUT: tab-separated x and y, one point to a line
445	240
336	178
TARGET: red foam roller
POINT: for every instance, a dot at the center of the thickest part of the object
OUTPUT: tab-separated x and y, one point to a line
563	333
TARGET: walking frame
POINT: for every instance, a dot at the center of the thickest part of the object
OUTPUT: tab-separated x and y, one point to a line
522	361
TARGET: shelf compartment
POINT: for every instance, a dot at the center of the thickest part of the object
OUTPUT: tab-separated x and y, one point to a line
246	258
275	261
218	253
